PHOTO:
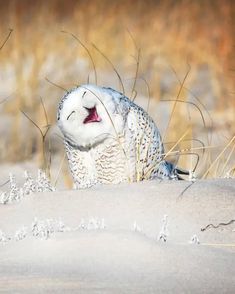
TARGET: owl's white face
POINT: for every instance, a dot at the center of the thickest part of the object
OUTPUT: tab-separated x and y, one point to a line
88	115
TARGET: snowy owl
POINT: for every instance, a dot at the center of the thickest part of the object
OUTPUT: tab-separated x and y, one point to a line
110	139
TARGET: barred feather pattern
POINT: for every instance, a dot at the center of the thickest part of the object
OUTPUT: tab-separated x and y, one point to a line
135	154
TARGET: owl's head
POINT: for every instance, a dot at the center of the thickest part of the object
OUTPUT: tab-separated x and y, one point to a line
88	115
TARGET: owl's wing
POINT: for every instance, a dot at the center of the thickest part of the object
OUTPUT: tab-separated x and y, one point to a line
144	142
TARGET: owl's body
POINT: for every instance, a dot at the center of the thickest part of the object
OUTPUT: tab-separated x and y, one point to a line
110	139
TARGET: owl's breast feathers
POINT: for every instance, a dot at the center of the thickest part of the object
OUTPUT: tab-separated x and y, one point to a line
134	152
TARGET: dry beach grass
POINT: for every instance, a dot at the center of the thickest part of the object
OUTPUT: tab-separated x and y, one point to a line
166	50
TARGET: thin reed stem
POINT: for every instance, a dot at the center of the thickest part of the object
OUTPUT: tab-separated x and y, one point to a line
113	67
218	157
87	50
6	39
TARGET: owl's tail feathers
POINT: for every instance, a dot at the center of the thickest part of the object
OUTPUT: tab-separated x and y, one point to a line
181	171
177	172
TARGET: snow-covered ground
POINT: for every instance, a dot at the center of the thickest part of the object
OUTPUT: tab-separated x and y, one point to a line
110	239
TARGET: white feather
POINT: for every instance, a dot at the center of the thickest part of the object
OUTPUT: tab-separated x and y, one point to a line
123	144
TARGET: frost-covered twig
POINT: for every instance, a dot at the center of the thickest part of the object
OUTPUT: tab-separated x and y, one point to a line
43	184
194	240
43	229
192	176
163	234
82	224
21	234
102	224
29	185
16	193
92	224
4	198
136	227
3	237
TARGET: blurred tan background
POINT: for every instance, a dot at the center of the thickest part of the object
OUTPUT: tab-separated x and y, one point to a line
166	50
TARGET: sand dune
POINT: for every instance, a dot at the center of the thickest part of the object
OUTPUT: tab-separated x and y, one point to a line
116	248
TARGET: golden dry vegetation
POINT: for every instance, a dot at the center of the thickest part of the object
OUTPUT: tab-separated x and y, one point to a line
168	50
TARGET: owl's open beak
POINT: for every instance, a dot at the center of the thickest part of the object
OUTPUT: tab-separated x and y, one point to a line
92	116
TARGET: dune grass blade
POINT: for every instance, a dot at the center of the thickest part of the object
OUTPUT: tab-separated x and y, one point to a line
43	134
6	39
218	157
133	91
148	90
227	160
176	100
180	139
137	59
209	140
113	67
56	85
2	185
192	148
4	100
87	50
188	102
